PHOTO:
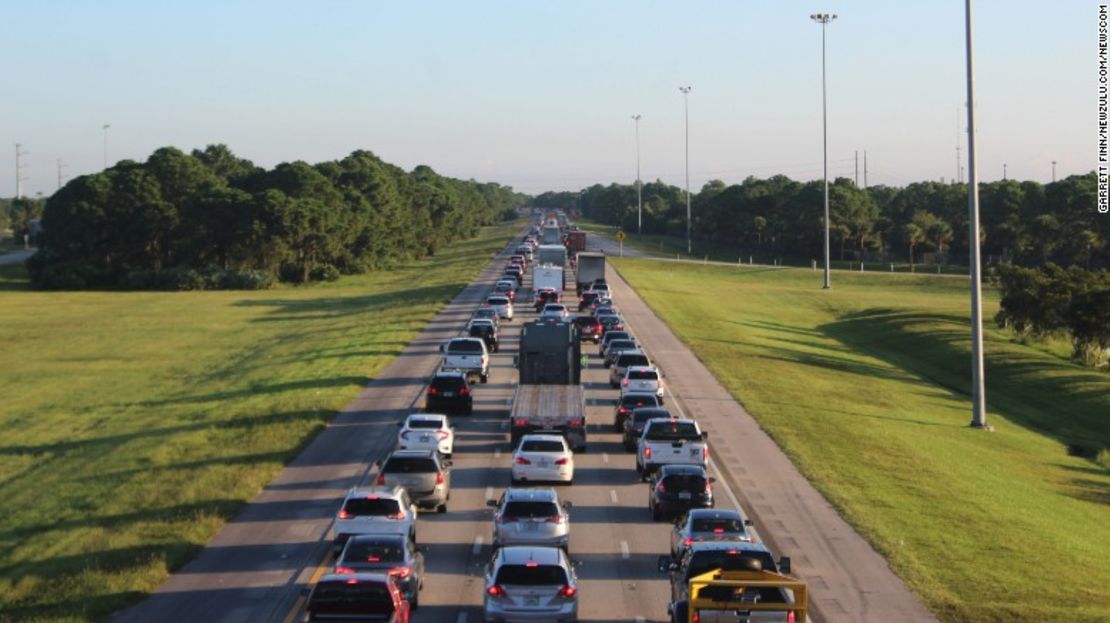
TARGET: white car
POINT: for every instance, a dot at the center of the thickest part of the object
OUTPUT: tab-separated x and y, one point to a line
643	379
502	304
670	442
479	322
555	310
545	458
427	431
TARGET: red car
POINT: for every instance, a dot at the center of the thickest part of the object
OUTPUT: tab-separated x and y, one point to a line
589	329
371	596
545	296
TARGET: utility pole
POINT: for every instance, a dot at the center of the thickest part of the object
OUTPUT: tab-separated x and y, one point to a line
824	19
1053	170
686	105
959	162
865	168
639	185
19	179
857	168
978	383
106	126
61	166
1004	178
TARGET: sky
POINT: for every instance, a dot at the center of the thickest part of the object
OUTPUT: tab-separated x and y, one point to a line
539	94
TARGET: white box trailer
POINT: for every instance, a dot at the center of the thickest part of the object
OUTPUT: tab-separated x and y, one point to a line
590	267
555	254
547	276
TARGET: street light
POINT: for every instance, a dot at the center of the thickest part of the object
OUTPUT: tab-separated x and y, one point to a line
978	386
106	126
686	105
824	19
639	187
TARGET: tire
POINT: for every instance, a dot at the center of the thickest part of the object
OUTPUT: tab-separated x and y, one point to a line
442	508
616	427
513	482
415	603
485	378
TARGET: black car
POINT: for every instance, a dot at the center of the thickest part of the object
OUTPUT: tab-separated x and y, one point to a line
634	424
449	392
545	296
610	322
392	554
488	333
676	489
628	402
587	300
589	329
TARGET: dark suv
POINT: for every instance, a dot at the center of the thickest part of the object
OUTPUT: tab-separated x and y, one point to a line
589	329
676	489
588	299
449	392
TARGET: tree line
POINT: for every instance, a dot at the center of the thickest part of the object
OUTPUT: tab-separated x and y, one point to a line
1022	222
17	215
211	219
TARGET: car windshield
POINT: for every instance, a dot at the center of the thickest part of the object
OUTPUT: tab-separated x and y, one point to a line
371	507
673	431
374	550
643	375
526	575
684	482
717	524
409	465
632	360
368	598
424	423
464	346
530	509
542	445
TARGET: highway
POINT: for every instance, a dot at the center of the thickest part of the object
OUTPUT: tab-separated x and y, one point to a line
257	567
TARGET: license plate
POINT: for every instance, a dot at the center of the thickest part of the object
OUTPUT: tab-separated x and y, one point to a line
531	527
544	463
425	438
531	601
684	495
694	451
448	394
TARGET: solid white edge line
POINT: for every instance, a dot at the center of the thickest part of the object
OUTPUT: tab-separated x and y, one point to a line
613	495
624	550
477	545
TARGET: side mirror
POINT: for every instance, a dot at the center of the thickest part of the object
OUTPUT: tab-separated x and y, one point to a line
784	565
663	564
491	503
400	424
378	464
748	522
705	435
516	361
441	348
568	504
712	479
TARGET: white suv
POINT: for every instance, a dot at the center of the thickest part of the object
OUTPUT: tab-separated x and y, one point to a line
467	354
375	510
643	379
502	304
670	442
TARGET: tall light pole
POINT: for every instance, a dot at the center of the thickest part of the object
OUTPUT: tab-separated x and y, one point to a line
824	19
1053	170
639	185
978	386
686	106
106	126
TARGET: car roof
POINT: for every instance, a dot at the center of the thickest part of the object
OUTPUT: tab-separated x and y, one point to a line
531	494
466	339
717	546
522	554
380	491
449	374
427	416
415	454
536	437
673	470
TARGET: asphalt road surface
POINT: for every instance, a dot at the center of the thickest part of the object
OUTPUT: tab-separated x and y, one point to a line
257	567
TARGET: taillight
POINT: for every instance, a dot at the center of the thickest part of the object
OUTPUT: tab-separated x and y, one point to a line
718	530
562	461
344	570
709	489
443	435
790	617
352	581
432	391
495	591
465	391
625	383
688	542
660	488
567	591
439	478
343	514
522	461
397	516
520	422
622	410
401	573
695	618
554	519
647	452
576	422
380	480
705	453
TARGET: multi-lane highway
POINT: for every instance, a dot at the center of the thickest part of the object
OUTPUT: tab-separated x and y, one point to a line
257	568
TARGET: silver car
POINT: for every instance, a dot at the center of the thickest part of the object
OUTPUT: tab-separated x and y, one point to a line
708	524
526	583
375	510
422	473
530	517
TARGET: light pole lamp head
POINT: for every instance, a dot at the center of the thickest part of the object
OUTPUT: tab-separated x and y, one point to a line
636	117
685	89
823	18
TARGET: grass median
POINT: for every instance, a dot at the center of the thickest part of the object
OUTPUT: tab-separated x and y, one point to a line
866	387
137	423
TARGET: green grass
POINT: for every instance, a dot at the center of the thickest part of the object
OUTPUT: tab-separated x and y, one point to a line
136	423
866	387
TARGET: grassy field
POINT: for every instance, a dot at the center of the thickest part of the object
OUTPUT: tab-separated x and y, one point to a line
136	424
867	387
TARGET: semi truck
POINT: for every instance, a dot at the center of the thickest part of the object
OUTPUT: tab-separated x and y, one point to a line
590	267
549	396
554	254
551	235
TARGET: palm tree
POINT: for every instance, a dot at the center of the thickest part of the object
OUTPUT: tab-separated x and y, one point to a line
915	236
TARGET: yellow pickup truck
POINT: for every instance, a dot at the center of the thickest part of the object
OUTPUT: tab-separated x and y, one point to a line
739	594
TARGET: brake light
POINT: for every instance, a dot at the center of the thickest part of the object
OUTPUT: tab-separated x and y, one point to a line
718	530
398	516
432	391
567	591
344	570
790	617
442	435
374	559
647	452
520	422
688	542
343	514
576	422
495	591
465	391
554	519
352	581
562	461
380	480
695	618
625	383
522	461
531	564
705	453
660	488
622	409
439	478
401	573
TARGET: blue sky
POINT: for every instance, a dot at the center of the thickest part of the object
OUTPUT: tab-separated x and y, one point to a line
539	94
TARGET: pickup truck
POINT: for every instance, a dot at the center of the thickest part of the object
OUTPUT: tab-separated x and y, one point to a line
467	354
670	442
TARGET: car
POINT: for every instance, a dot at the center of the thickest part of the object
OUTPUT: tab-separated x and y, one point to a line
629	402
468	355
708	524
530	583
675	489
487	331
587	300
609	336
515	272
427	431
707	556
525	250
605	309
449	391
610	322
622	361
617	347
532	516
589	329
391	554
487	313
634	424
542	458
519	258
643	379
672	441
601	288
545	296
506	288
425	476
375	510
502	304
362	596
555	310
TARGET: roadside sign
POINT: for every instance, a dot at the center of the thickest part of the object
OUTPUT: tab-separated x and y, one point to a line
620	235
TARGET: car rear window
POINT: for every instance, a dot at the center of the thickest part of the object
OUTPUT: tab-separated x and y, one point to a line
479	330
409	465
539	575
449	383
609	320
374	550
365	597
464	346
497	300
371	507
425	423
586	321
643	375
542	446
617	345
684	482
717	524
637	359
530	509
616	335
673	431
639	400
641	416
